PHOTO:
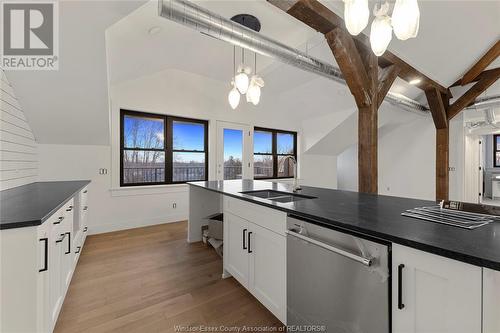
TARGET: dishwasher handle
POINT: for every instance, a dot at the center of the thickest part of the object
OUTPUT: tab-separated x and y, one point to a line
355	257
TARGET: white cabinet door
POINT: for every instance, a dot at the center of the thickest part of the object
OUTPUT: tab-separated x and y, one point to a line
438	295
43	280
56	246
236	248
67	246
491	301
268	269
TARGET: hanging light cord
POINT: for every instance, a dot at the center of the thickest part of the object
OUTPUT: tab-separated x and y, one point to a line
243	56
234	61
255	62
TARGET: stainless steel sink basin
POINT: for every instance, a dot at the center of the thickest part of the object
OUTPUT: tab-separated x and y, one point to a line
277	196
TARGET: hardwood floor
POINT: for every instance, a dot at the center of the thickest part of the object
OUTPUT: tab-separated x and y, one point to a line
150	280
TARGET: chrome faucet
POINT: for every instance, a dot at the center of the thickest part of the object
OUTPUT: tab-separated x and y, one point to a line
281	168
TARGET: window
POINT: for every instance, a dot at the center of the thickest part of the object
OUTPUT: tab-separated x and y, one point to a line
271	147
158	149
496	150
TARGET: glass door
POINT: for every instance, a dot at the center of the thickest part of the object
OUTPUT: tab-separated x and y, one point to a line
233	142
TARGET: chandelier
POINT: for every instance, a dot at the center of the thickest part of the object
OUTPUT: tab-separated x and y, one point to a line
404	21
242	82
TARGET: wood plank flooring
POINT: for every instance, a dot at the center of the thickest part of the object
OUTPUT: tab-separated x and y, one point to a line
150	280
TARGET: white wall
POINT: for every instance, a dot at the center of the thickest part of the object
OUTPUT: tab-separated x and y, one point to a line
406	159
318	171
18	151
170	92
110	211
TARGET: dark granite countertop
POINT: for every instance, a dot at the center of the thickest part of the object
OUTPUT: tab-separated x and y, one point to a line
377	216
30	205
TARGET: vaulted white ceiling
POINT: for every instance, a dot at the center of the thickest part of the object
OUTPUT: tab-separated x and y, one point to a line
71	105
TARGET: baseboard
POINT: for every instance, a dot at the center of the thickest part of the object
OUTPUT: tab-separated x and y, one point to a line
109	227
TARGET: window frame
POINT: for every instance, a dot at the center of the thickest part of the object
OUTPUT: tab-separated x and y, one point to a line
167	145
495	151
274	148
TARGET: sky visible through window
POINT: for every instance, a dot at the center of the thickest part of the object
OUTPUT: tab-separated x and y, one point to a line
188	136
233	144
262	142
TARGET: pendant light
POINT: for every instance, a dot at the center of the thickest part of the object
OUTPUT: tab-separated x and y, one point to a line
241	79
406	19
356	14
381	30
234	95
256	82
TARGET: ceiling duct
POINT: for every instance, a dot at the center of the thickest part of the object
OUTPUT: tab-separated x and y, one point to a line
214	25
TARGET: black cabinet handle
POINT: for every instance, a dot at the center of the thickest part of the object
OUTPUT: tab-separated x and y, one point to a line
45	254
78	248
244	236
69	243
249	248
86	207
61	218
85	191
400	286
85	229
69	209
61	239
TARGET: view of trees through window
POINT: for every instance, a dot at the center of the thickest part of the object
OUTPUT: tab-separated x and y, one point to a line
271	147
161	150
233	153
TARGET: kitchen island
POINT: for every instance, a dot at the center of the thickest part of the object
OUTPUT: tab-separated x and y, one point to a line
446	266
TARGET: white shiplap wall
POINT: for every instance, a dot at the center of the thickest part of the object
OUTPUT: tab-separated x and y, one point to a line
18	148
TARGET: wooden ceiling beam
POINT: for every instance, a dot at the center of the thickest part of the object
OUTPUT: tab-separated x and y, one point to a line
350	63
470	95
386	78
481	65
322	19
437	108
483	74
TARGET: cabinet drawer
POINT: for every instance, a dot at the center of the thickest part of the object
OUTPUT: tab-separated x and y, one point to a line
265	217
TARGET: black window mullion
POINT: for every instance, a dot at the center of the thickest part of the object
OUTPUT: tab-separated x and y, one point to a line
169	143
275	156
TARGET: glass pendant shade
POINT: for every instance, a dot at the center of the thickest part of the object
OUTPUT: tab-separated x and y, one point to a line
253	93
356	15
234	98
241	79
380	34
406	19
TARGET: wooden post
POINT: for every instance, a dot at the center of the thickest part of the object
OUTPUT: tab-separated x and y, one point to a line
442	162
368	129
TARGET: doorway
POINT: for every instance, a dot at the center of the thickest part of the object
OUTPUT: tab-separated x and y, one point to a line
234	142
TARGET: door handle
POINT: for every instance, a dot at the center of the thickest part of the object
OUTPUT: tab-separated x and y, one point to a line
69	242
78	248
61	218
61	239
365	261
249	247
45	255
244	236
400	286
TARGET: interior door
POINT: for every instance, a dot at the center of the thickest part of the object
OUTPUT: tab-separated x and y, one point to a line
234	142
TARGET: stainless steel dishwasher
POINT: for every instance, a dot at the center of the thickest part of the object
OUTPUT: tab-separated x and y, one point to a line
336	280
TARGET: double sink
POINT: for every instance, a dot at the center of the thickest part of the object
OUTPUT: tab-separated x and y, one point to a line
278	196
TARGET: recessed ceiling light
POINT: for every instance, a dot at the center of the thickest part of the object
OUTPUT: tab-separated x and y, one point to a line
415	81
154	30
